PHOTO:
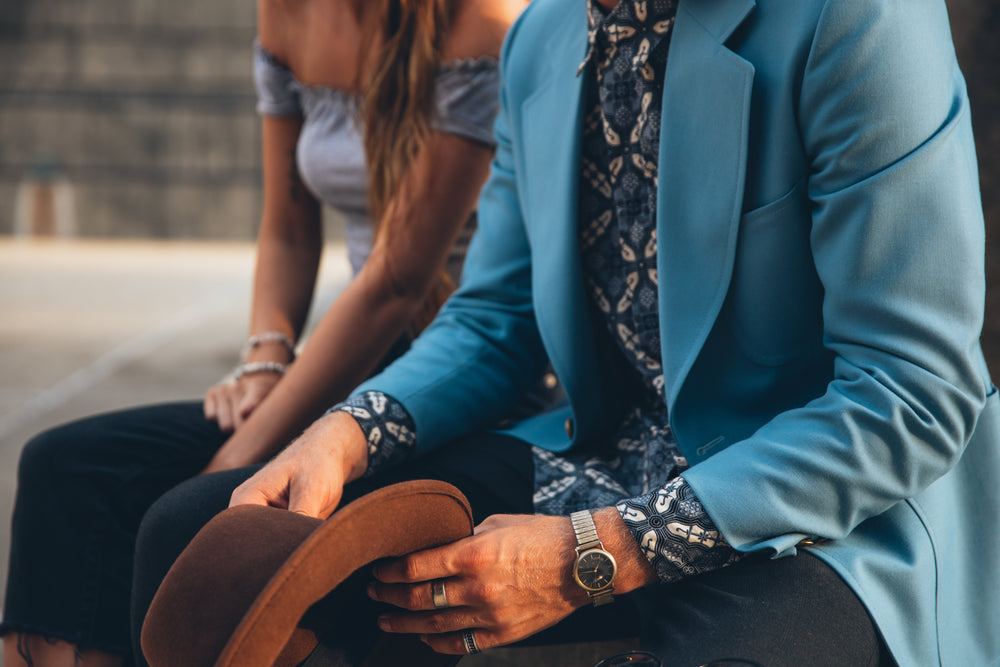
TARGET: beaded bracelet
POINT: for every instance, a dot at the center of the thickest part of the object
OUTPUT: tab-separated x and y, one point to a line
256	340
259	367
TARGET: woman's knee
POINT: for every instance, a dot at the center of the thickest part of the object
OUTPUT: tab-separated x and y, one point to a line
169	526
98	447
51	456
163	523
177	516
109	448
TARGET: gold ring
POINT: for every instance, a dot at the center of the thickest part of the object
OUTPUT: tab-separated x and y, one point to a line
469	638
438	596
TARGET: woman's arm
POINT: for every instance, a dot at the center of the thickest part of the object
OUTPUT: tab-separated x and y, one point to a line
440	194
288	251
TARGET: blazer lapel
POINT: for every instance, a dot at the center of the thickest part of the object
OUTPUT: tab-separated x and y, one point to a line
703	142
702	163
552	126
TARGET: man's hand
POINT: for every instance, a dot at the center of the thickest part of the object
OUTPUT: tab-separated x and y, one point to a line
308	477
510	580
230	403
507	582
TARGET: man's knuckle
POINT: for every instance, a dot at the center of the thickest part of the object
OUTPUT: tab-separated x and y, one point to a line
416	599
490	591
444	560
437	624
478	560
411	570
485	640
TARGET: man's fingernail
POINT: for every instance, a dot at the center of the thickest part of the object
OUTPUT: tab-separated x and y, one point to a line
371	591
384	623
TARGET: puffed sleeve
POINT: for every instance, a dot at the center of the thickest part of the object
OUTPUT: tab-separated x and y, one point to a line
466	99
277	89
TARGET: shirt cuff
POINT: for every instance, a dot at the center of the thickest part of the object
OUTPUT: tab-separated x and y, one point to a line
387	425
676	534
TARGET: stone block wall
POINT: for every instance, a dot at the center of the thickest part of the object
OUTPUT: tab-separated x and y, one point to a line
142	110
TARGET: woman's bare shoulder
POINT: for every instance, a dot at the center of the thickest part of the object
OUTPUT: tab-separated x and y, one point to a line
479	28
272	26
317	39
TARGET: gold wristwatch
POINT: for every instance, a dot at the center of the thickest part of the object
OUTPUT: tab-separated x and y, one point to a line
595	568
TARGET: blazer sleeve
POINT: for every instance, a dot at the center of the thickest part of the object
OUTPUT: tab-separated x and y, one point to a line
898	243
483	351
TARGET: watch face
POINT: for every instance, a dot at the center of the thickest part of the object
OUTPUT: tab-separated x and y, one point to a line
595	570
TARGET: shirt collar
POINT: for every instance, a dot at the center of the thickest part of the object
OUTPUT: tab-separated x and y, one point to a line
595	17
651	15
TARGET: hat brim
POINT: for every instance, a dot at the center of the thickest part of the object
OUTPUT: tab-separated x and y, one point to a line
236	595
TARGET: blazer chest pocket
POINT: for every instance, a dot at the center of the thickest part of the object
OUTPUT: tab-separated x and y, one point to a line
775	296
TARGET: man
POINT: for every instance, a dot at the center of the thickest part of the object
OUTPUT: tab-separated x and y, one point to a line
749	239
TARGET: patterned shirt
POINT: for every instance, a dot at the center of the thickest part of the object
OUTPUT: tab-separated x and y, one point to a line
638	469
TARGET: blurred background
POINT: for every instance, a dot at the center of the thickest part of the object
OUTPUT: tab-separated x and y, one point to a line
129	198
128	118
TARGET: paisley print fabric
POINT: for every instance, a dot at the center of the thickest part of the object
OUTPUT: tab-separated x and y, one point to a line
641	457
675	533
387	425
627	56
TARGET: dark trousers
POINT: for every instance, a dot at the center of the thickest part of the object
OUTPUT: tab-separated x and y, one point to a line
83	489
494	472
789	611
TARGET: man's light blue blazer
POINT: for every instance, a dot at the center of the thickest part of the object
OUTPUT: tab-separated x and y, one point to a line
821	296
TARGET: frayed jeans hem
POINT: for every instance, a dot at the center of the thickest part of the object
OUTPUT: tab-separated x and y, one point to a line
50	636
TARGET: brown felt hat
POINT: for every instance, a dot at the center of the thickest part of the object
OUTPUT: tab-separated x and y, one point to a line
237	595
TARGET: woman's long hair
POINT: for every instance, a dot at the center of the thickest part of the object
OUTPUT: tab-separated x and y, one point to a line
397	105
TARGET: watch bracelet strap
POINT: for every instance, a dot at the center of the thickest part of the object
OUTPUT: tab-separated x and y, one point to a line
586	531
587	539
604	597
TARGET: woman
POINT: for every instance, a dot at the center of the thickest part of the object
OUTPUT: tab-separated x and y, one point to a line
420	78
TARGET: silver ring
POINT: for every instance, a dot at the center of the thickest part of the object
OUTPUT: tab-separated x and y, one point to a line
438	596
469	638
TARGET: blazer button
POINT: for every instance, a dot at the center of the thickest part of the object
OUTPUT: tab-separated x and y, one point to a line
569	428
550	380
